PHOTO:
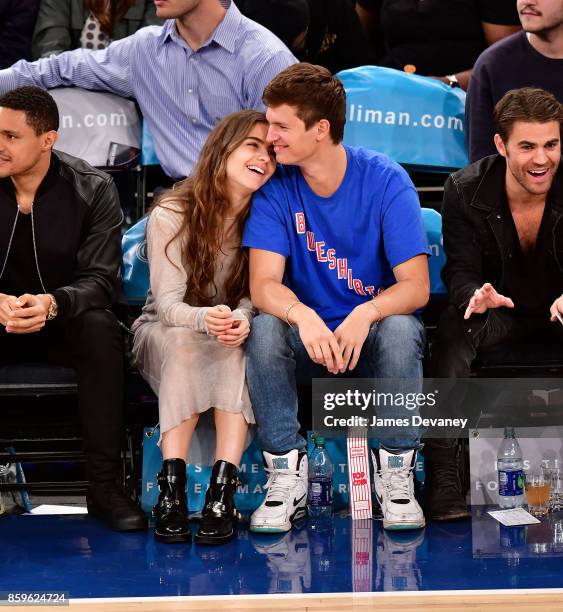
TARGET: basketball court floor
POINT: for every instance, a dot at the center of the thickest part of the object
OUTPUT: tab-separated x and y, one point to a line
340	565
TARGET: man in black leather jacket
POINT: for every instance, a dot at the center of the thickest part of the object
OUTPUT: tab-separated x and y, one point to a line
503	238
59	262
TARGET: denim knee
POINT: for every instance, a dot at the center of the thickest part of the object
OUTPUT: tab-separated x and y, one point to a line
267	334
401	335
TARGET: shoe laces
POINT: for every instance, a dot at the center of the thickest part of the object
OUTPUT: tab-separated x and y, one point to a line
397	483
279	484
448	475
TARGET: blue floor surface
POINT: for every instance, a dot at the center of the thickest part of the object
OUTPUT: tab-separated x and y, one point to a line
79	555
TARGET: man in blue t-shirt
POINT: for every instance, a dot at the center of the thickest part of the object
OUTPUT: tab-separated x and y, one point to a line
338	264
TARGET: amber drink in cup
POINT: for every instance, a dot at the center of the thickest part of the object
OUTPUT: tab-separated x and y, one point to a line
538	488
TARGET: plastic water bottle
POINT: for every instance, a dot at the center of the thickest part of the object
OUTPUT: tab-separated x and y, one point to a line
320	481
510	471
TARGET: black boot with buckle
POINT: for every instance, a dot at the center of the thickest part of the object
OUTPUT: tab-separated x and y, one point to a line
219	515
444	483
171	511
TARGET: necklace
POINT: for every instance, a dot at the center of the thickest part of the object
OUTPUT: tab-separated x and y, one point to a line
34	244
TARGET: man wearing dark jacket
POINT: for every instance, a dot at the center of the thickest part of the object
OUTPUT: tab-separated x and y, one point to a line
59	260
503	238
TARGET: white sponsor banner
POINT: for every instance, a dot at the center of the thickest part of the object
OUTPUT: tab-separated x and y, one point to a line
537	446
91	120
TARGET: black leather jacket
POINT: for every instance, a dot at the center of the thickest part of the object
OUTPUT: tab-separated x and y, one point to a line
476	232
77	219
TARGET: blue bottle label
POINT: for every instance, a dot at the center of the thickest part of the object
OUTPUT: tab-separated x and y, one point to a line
320	493
511	483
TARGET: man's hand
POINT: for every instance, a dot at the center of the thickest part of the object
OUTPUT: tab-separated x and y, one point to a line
29	314
236	335
557	309
319	342
352	333
7	306
485	298
219	319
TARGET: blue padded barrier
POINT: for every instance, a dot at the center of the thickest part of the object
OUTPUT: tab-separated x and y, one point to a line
148	154
433	225
417	121
136	275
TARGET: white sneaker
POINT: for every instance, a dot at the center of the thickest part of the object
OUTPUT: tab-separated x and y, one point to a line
394	488
286	497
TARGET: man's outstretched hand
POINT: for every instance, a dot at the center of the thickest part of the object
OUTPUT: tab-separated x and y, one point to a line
484	298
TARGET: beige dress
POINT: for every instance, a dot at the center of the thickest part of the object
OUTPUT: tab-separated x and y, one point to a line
188	369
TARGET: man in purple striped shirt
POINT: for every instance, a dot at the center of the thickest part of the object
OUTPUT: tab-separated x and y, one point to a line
205	62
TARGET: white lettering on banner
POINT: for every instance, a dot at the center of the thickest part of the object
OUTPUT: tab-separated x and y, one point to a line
90	120
257	489
357	114
329	256
242	488
197	487
254	468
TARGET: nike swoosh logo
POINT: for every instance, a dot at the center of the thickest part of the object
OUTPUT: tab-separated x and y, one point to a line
379	497
296	501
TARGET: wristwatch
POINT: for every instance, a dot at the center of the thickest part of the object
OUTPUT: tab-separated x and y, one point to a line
452	80
53	308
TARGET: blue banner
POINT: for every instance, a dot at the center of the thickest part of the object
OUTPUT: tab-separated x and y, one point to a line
417	121
252	475
135	274
148	154
433	225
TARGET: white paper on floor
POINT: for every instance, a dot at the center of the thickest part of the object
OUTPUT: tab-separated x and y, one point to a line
53	509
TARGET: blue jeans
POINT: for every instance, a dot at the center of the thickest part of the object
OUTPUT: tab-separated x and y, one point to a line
277	362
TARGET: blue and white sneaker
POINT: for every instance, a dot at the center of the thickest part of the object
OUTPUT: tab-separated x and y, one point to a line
286	496
394	488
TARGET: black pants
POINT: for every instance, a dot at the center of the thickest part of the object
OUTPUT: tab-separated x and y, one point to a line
92	344
457	342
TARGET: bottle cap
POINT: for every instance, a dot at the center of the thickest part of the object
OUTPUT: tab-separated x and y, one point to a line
319	441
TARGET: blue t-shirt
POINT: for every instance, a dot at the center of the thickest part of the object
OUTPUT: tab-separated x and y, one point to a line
339	250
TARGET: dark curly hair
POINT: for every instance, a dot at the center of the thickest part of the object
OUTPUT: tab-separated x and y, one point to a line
38	105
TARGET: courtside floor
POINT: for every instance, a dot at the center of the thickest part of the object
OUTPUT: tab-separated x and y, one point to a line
78	555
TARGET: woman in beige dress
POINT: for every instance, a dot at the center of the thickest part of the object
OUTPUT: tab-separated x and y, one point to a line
189	339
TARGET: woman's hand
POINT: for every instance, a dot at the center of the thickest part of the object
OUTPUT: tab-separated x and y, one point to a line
219	319
236	335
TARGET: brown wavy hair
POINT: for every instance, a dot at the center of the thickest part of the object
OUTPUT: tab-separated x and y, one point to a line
203	200
108	12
